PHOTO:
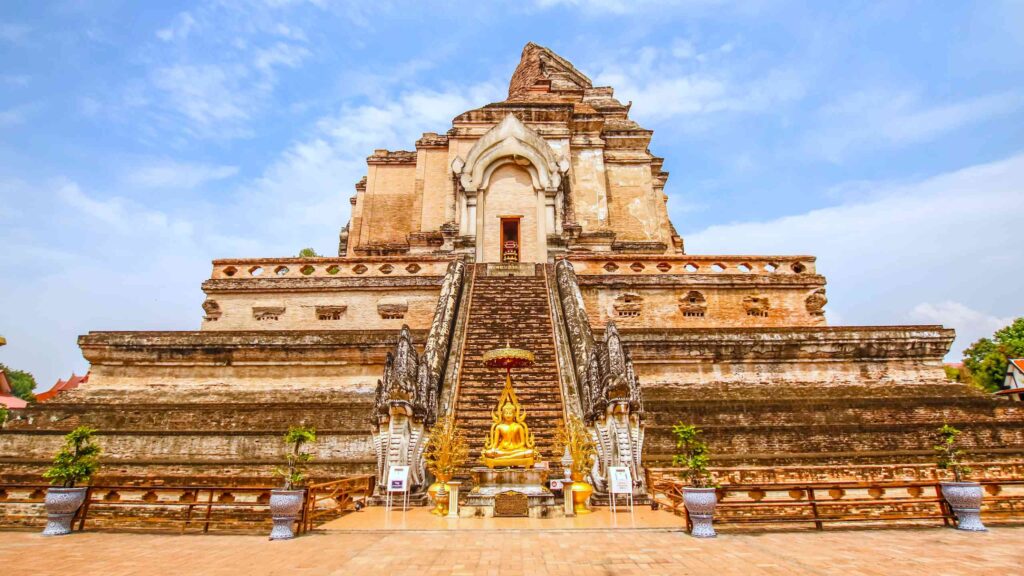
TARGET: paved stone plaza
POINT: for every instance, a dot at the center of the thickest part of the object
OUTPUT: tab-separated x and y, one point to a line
926	551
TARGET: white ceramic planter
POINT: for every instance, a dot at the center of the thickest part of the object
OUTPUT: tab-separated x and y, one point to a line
965	500
700	504
61	505
284	508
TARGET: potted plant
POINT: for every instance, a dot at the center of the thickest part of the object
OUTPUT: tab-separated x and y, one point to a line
573	435
963	496
445	452
286	503
699	497
76	462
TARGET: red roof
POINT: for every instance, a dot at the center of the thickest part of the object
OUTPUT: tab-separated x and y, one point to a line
1018	362
7	397
62	385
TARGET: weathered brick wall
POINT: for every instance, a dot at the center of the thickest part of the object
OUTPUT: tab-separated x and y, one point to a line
299	309
663	306
178	407
158	441
390	189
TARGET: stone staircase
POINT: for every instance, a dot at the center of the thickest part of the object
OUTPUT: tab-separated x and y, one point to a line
512	309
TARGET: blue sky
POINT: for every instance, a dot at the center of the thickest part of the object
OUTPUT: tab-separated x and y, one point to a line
142	140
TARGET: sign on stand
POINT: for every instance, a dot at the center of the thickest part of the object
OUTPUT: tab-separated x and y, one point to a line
398	483
620	481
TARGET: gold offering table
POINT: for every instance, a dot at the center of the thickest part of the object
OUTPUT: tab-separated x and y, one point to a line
508	484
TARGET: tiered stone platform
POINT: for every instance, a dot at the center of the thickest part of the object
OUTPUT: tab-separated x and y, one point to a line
810	396
188	408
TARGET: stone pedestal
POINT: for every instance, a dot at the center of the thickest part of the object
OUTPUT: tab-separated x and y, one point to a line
529	481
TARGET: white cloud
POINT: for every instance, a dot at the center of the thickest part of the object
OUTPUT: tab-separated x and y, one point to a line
969	323
14	33
179	29
308	186
882	118
946	238
680	81
210	96
18	80
630	6
171	174
17	114
122	216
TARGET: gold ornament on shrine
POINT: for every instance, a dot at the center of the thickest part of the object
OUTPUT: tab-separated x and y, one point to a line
446	450
510	443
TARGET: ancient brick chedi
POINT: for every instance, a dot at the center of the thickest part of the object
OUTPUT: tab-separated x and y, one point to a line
538	221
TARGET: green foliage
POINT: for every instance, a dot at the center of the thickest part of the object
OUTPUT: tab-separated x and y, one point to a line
693	455
986	360
294	474
77	460
3	415
308	253
948	452
952	373
22	383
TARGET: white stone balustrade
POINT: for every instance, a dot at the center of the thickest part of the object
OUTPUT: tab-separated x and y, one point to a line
248	268
595	264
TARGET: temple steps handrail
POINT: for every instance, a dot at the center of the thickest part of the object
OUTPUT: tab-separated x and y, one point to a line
567	373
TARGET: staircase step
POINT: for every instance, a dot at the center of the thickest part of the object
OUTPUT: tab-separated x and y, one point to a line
510	311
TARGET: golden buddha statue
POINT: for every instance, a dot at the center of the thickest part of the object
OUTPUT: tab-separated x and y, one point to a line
510	443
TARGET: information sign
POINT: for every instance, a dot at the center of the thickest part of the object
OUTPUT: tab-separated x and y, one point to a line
621	479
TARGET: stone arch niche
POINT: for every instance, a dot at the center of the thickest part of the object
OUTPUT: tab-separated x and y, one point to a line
510	172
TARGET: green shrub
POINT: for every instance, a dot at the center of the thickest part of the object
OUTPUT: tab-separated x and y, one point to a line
77	461
949	453
693	456
294	474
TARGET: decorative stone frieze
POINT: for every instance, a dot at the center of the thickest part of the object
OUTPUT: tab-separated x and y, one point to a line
628	305
267	313
330	312
392	308
816	302
693	305
212	310
756	306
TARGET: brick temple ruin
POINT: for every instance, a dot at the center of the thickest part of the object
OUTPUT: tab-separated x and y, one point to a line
540	221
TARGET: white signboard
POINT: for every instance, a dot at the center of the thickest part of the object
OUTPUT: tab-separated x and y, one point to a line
621	479
555	484
398	479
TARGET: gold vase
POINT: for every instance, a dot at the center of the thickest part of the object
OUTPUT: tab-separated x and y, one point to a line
440	503
581	491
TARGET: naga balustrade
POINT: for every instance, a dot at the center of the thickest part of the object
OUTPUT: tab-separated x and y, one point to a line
887	499
334	498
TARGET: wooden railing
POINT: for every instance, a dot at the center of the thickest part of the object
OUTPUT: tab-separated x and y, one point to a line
334	498
185	507
842	500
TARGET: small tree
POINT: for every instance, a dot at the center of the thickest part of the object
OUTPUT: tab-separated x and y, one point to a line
985	361
949	453
573	435
294	474
22	383
3	415
77	460
446	449
308	253
693	456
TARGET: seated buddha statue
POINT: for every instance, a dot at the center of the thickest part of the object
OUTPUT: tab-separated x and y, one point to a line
510	443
